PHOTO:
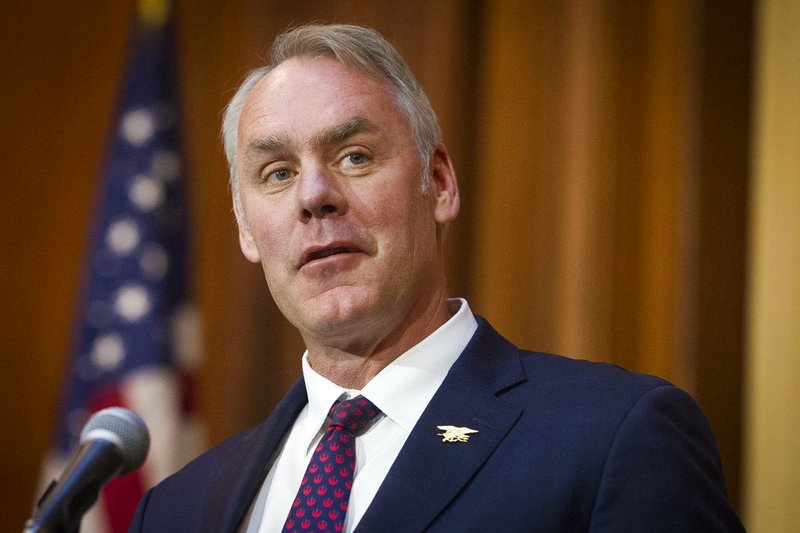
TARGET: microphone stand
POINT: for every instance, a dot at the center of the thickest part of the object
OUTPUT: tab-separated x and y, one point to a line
60	511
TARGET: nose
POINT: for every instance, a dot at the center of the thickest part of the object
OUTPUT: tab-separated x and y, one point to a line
319	194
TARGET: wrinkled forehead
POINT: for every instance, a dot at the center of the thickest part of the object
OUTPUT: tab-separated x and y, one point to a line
305	94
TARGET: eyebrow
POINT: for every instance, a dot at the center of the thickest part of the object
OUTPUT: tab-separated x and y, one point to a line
274	142
280	142
345	130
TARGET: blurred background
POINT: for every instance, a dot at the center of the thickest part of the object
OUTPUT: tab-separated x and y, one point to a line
630	175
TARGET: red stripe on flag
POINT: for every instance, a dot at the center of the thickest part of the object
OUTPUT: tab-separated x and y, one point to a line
120	498
107	397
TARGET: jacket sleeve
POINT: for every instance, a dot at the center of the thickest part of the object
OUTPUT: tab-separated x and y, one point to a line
663	471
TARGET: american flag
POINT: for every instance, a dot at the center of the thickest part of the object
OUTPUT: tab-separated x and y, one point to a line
136	339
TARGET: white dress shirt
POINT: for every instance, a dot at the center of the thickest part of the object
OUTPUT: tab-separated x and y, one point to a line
401	391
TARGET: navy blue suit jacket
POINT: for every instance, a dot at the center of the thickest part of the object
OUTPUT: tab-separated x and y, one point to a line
562	445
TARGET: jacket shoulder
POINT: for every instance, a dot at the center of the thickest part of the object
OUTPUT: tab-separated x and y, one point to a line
217	487
534	370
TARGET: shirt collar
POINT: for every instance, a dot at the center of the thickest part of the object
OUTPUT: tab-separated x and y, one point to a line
404	388
321	394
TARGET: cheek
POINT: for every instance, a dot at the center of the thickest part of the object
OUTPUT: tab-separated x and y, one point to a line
386	202
270	236
273	245
408	231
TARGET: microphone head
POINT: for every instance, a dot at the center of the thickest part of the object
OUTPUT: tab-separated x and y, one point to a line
125	430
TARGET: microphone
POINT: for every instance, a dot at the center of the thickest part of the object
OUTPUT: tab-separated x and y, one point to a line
114	441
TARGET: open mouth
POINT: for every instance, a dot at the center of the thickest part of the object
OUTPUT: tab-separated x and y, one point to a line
316	254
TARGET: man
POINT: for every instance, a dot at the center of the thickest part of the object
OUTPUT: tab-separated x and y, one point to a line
342	191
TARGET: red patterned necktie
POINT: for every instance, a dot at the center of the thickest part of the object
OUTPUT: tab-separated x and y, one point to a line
321	502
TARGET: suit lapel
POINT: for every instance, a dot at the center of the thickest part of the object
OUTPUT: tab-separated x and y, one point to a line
234	490
429	473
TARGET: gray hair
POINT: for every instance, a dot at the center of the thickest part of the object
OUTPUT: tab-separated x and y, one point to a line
355	46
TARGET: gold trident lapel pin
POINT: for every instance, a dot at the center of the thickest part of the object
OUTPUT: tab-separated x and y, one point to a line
455	434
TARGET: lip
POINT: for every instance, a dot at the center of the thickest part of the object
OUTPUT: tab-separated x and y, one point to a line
316	253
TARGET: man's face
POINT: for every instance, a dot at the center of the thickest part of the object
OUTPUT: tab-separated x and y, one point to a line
330	186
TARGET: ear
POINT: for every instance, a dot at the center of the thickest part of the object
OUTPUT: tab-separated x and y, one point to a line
444	187
246	241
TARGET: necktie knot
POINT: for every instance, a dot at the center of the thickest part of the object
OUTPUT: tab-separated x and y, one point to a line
322	500
354	415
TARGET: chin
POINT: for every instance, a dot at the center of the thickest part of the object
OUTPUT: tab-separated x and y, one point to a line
335	314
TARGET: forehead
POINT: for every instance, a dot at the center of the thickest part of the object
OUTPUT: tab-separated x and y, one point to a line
304	95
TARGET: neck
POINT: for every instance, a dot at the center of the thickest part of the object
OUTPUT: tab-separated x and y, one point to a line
352	365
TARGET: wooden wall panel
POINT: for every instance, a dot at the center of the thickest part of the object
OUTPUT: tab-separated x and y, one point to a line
772	469
58	91
611	225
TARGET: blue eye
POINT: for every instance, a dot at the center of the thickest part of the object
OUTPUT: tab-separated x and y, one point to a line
356	158
281	174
